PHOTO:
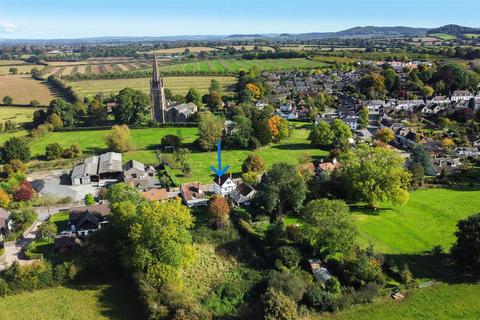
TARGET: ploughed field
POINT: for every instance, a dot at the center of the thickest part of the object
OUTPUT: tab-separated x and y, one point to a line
23	89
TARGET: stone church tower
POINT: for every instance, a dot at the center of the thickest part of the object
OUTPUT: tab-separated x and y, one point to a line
159	103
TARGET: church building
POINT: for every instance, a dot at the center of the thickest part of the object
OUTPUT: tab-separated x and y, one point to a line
161	111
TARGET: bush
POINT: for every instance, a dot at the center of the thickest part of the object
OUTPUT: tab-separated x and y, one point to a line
89	199
53	151
292	283
278	306
287	257
320	299
74	151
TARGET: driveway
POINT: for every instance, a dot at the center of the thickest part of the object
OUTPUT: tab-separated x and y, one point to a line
57	183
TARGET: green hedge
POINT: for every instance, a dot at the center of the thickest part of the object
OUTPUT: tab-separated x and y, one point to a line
133	126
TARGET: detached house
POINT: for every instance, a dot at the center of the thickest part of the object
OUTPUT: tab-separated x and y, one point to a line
223	185
87	219
464	95
193	195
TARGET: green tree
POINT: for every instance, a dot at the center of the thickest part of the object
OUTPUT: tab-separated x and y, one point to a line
98	110
133	107
283	189
118	139
53	151
392	81
452	76
13	70
321	134
241	135
194	96
374	175
466	250
420	155
15	148
211	130
158	240
123	192
7	100
341	132
386	135
363	118
215	86
47	230
328	226
55	120
65	110
418	174
372	86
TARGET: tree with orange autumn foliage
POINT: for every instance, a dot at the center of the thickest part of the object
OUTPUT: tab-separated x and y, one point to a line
254	89
278	127
219	211
4	199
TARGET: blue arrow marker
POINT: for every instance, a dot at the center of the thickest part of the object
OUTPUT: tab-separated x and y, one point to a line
219	171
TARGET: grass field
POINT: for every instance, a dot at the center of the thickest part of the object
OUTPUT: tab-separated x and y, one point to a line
179	85
24	89
17	114
81	302
180	50
146	141
444	36
429	219
27	68
439	302
234	66
4	136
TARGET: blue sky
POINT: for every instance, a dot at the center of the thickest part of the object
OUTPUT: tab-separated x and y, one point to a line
91	18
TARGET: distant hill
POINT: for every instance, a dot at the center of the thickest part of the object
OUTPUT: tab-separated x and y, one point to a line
356	32
370	31
454	29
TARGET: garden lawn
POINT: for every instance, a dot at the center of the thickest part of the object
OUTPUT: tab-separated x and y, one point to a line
439	302
81	302
427	220
146	142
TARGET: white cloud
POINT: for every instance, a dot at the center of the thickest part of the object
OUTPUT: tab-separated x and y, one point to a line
10	27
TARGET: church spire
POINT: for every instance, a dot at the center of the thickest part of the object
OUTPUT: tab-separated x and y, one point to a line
156	72
159	103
